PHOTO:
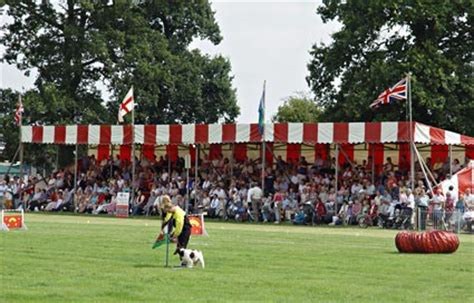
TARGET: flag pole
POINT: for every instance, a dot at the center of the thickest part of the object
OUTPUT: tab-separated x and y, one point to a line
412	143
263	141
20	123
133	150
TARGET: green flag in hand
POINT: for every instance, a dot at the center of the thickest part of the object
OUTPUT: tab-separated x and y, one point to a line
162	239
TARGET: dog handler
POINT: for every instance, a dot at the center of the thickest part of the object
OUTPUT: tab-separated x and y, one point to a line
176	216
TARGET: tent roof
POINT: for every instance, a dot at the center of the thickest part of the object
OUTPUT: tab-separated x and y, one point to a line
308	133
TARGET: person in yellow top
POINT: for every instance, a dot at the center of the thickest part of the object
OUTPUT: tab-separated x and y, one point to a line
174	216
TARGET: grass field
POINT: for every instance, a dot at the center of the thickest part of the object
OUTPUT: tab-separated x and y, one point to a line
97	259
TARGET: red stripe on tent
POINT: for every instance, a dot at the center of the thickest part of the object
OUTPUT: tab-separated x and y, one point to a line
105	134
228	133
127	134
255	135
439	154
192	153
126	152
293	153
215	150
404	155
467	140
470	152
103	152
240	152
280	132
83	134
348	149
172	152
150	135
404	132
176	133
148	151
321	150
310	133
37	134
341	132
201	133
376	152
60	134
437	136
373	132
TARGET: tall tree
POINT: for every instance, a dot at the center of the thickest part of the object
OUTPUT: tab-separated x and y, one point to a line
381	41
298	108
80	48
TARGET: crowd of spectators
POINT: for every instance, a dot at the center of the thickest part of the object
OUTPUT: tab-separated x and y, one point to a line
298	193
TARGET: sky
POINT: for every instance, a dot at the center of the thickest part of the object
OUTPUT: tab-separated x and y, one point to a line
264	40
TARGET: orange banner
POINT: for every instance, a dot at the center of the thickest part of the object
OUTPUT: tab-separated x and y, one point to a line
197	225
13	221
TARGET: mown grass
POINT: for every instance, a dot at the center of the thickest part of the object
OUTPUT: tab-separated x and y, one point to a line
95	259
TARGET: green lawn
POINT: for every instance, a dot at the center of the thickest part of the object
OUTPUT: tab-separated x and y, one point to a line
96	259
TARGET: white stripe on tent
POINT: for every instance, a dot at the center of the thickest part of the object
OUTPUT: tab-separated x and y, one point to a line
215	133
325	132
242	133
422	133
187	134
26	134
452	138
94	134
389	132
162	134
71	134
269	132
356	132
295	132
48	134
116	134
139	133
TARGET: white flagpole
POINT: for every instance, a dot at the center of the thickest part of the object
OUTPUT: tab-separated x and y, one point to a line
133	148
412	142
20	123
263	139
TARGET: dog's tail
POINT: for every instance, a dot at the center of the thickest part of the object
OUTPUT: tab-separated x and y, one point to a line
201	259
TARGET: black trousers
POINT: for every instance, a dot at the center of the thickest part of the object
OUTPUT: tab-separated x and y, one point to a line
183	238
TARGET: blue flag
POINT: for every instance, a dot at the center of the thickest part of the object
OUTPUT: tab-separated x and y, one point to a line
261	113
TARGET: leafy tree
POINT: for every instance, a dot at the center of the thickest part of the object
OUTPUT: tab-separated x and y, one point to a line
298	108
381	41
77	46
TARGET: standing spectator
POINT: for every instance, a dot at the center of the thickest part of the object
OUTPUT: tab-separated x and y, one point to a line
254	197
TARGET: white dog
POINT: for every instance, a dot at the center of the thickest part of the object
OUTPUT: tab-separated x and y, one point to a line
191	257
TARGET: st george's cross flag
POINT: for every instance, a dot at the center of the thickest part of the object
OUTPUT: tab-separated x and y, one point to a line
19	111
390	95
127	105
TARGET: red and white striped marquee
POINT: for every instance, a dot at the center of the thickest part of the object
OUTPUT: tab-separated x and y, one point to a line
307	133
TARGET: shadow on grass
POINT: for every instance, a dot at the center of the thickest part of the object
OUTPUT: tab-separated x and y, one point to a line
149	266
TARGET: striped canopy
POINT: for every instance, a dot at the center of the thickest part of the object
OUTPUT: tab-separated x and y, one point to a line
307	133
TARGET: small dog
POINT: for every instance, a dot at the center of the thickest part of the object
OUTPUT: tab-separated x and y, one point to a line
191	257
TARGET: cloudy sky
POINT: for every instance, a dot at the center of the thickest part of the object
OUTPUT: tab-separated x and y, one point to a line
264	40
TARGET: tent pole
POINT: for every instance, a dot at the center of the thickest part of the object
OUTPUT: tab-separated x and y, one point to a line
75	178
337	167
450	161
412	143
133	157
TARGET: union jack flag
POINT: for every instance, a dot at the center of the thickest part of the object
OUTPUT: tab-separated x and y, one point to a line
390	95
19	111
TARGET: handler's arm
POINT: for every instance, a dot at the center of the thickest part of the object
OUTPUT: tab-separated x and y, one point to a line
179	220
166	220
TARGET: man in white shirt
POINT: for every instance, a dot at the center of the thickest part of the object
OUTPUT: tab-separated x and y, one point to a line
254	197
